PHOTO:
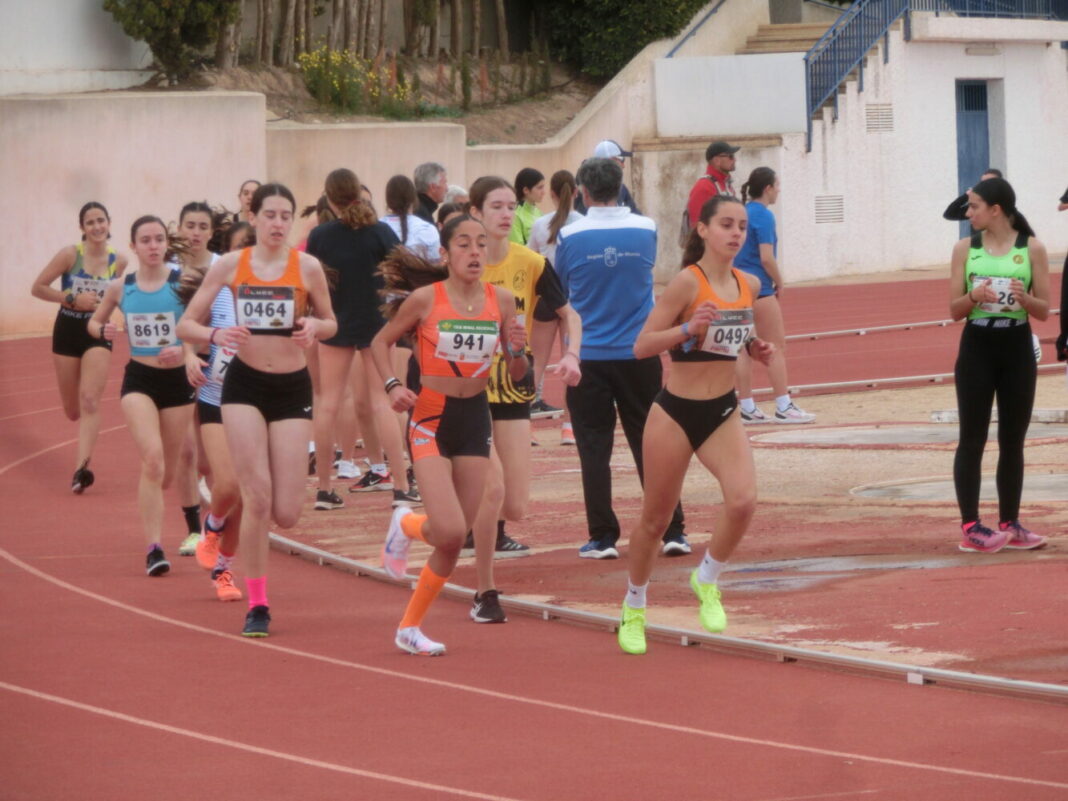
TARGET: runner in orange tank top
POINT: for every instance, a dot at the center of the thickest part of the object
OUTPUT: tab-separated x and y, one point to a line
461	324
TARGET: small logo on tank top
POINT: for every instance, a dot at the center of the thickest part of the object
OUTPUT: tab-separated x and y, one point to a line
611	257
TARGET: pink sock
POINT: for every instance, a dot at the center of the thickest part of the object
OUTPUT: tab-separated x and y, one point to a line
257	591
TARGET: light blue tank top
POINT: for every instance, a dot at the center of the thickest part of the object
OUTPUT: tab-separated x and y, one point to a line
151	317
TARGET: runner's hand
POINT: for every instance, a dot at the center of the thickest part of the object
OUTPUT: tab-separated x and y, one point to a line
984	293
194	370
171	356
233	337
761	351
401	399
702	316
568	369
304	331
108	331
517	336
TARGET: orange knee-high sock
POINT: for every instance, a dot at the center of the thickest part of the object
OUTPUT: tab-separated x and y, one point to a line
412	526
426	590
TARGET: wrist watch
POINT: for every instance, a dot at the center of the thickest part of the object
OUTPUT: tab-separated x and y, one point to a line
69	298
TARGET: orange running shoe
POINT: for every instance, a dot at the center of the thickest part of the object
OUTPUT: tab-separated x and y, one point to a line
208	548
224	587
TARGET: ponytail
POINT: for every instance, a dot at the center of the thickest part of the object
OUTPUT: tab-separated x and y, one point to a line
999	192
343	190
695	246
759	180
562	185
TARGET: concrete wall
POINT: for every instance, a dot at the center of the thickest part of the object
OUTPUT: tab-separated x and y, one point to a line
693	94
66	46
137	153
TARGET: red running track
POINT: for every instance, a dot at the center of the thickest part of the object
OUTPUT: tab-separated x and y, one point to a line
115	686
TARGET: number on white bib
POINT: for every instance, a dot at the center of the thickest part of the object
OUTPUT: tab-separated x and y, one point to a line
80	284
220	363
467	341
151	329
1007	300
728	333
266	308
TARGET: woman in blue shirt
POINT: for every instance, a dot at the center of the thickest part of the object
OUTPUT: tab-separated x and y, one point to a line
758	257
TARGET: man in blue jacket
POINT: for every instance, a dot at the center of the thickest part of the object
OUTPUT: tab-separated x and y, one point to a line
605	263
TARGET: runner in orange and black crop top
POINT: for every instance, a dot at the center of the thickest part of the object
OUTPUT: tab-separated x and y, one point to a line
461	323
703	318
269	307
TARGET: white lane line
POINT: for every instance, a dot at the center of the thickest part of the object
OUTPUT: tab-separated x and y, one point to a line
49	409
519	699
55	447
252	749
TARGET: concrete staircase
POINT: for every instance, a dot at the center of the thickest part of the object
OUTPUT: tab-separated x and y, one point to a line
789	38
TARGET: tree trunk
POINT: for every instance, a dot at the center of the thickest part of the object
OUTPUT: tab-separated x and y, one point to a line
298	28
502	30
224	46
456	28
435	31
352	24
256	54
363	8
309	15
285	42
476	27
337	25
381	27
267	42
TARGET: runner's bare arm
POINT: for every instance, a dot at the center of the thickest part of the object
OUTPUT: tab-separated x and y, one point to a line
42	285
660	332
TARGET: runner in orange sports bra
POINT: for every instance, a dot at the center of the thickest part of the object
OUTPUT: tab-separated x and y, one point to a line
704	319
460	323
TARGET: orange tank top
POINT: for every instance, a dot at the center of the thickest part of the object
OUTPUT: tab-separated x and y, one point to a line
451	344
728	333
269	307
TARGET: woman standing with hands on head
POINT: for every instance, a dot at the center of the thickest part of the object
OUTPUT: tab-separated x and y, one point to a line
704	319
460	323
156	397
81	361
282	307
999	279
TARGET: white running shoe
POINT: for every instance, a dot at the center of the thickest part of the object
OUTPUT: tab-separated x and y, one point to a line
567	434
1037	346
395	550
189	544
792	414
347	470
754	417
412	640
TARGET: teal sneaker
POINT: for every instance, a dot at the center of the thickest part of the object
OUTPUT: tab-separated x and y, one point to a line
713	618
632	630
189	544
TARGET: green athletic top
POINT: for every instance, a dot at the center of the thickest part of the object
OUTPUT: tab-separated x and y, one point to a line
1000	269
525	215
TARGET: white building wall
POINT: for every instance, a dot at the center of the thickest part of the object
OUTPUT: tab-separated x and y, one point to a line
66	46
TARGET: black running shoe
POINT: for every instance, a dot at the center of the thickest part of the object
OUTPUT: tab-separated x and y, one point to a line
468	548
311	463
506	546
156	563
409	498
540	409
411	477
372	481
83	479
487	608
256	622
325	500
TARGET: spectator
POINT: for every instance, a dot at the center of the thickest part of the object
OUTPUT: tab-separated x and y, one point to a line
456	194
610	149
957	211
1062	339
413	232
431	184
605	262
716	181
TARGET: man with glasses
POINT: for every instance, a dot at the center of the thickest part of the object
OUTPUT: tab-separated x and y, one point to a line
716	181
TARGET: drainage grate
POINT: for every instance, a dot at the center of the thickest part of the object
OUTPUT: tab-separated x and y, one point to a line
830	208
879	117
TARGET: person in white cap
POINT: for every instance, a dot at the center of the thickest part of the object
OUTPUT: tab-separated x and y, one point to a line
610	149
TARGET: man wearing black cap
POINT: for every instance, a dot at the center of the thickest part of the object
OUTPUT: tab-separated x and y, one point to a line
715	181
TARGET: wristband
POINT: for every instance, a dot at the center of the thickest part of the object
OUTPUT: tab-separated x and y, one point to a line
69	298
749	344
392	383
211	339
515	354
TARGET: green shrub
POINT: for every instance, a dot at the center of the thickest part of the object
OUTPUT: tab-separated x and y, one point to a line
341	80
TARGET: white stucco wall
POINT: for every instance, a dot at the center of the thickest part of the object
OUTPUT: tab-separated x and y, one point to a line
137	153
692	94
66	46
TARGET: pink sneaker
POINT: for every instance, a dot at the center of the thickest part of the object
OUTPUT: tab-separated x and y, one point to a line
977	537
1022	539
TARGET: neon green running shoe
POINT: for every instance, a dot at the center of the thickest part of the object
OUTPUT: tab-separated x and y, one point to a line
189	544
713	618
632	630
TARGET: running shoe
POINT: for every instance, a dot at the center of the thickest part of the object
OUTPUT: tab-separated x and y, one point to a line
595	549
713	618
372	481
1036	345
395	550
468	548
410	473
208	547
189	544
412	640
754	417
409	498
792	414
506	546
311	463
346	470
632	630
1022	539
487	608
676	545
256	622
539	409
225	589
980	539
328	499
156	563
83	479
567	434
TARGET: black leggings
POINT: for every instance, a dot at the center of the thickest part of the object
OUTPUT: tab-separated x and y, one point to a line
993	362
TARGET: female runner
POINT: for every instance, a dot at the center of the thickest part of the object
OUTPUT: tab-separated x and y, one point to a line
461	323
530	191
704	319
999	277
81	361
157	399
266	397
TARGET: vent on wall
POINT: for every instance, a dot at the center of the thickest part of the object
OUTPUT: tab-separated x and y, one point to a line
879	117
830	208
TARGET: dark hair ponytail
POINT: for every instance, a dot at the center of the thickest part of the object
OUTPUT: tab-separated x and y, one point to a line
999	192
563	186
759	180
695	246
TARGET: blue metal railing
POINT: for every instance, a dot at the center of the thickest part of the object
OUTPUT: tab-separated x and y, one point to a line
1020	9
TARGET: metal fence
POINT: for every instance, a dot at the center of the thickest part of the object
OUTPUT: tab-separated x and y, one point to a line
1022	9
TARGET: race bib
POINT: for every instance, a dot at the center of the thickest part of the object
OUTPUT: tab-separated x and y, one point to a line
220	363
1007	300
151	330
80	284
265	308
728	333
467	341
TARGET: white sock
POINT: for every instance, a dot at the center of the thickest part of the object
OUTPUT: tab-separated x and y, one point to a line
782	403
215	523
223	562
311	446
709	569
748	405
379	468
636	595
